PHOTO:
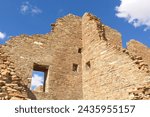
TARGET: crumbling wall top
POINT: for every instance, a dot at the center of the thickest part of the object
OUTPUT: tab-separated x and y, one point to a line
138	49
111	36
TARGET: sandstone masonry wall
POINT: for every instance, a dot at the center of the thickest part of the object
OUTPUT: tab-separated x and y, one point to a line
138	49
59	51
111	72
81	58
113	37
11	85
141	92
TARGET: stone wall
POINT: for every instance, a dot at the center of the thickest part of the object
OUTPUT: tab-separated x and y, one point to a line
113	37
11	85
138	49
59	51
108	72
141	92
81	58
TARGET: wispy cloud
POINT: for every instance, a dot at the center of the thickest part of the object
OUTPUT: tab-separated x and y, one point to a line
37	81
60	12
136	12
27	8
36	10
2	35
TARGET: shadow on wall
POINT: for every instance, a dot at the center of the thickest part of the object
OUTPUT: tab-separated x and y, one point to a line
31	95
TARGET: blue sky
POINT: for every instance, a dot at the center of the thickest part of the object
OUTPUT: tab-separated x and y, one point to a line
14	20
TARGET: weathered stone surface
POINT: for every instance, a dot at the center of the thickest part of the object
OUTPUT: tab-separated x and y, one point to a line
2	83
6	84
112	72
3	94
140	50
140	93
82	59
16	98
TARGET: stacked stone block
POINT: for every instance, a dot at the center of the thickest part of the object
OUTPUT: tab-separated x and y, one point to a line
141	92
11	85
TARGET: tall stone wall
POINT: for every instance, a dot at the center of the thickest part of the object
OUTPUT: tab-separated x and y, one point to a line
59	51
81	58
107	72
65	83
113	37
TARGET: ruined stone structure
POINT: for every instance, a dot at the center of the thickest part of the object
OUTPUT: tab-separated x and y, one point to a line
11	85
81	58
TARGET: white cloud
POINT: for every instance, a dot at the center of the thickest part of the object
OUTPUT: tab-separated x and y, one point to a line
27	8
2	35
36	10
136	12
36	81
24	7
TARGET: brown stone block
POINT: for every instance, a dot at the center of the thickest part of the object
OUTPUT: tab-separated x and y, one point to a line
17	95
16	98
2	66
11	85
2	83
147	91
5	72
3	94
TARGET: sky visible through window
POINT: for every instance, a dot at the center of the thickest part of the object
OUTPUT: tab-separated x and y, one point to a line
37	79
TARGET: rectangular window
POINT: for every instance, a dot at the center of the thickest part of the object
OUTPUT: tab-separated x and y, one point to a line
80	50
39	76
75	67
88	65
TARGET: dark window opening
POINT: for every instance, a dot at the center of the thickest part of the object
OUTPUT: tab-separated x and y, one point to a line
75	67
80	50
39	76
88	65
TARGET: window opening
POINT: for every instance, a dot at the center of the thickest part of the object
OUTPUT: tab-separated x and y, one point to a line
39	76
80	50
88	65
75	67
